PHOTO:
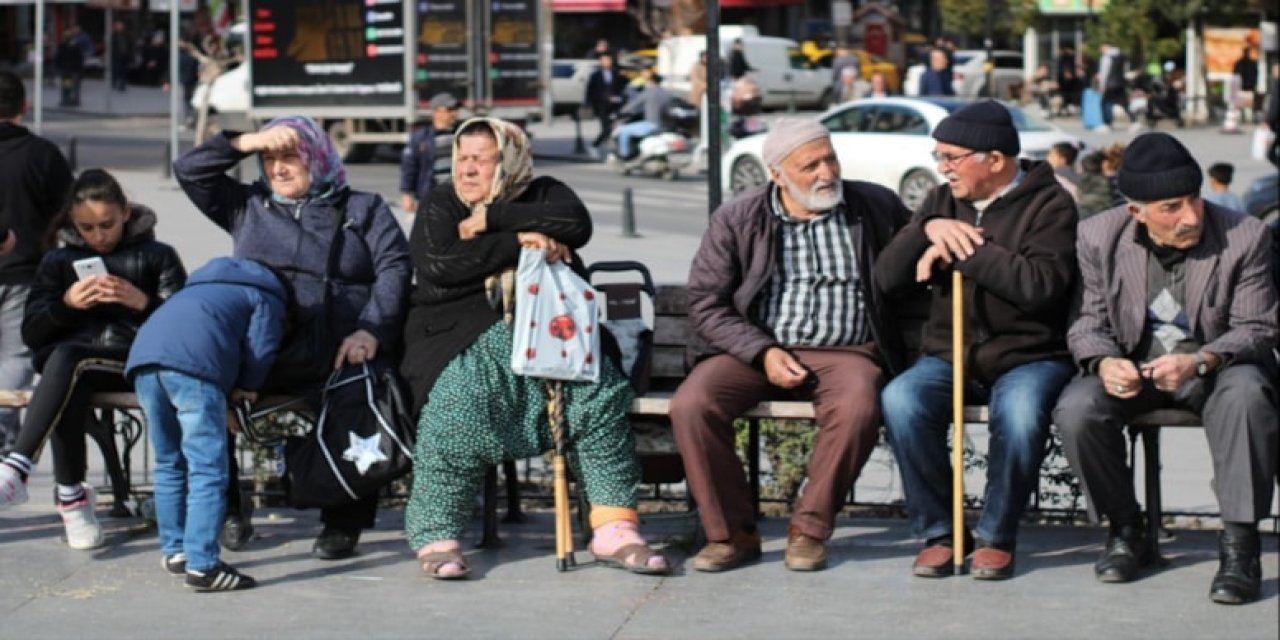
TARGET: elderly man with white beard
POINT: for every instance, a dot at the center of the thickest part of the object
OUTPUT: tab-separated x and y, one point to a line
781	302
1010	229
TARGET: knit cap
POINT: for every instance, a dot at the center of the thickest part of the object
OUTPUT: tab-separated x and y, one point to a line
787	135
1157	167
980	126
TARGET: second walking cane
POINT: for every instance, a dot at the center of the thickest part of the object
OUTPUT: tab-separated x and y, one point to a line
564	529
957	418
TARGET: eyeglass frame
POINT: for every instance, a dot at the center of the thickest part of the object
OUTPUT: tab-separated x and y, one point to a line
951	162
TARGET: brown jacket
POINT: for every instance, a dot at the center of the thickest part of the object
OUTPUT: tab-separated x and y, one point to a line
739	253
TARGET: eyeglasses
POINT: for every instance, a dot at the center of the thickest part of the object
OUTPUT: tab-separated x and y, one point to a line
952	161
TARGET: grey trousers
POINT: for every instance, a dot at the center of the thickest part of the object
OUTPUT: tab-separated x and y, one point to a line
1241	422
15	358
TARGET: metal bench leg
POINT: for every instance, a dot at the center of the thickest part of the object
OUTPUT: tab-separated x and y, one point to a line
489	537
100	429
753	463
1151	455
514	512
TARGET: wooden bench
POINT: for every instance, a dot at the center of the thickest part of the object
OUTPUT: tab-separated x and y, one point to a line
117	416
671	337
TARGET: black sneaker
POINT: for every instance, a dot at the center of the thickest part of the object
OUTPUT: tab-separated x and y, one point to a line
220	578
175	564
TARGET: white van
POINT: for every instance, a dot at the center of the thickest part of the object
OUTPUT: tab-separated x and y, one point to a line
784	74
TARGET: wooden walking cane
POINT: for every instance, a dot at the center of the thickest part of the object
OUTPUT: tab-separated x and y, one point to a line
564	529
957	418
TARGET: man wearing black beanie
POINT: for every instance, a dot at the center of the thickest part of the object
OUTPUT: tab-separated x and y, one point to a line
1178	310
1009	228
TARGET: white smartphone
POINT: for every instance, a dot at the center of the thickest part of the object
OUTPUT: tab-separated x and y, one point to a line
89	267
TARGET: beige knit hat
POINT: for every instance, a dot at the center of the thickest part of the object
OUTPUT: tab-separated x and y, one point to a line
787	135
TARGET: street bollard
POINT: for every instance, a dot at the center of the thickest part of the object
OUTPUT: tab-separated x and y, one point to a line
168	161
628	214
71	153
579	147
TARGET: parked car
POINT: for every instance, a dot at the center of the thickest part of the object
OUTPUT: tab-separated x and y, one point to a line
569	84
887	141
968	76
1262	199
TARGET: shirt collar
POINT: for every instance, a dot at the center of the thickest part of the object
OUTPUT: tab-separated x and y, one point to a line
981	205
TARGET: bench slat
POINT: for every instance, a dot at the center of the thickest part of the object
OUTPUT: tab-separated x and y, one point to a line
672	331
671	299
659	404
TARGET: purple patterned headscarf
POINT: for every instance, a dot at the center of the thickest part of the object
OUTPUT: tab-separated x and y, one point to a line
318	152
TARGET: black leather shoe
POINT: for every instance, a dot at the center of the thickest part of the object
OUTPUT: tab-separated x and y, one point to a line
237	528
1127	552
335	544
1239	569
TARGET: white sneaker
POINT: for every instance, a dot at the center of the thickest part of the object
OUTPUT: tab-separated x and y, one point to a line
1102	128
83	530
13	491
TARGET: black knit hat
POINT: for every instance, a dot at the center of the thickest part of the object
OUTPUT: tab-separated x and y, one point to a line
981	126
1157	167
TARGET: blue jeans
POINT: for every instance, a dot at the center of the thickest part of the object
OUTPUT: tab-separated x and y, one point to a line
187	420
917	414
631	130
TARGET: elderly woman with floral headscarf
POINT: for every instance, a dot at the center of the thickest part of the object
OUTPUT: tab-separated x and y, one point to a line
464	242
287	219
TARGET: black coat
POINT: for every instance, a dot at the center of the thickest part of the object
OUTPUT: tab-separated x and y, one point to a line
34	182
604	96
1017	285
151	266
449	308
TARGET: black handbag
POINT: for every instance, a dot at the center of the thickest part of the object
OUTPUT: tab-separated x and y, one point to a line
306	356
362	440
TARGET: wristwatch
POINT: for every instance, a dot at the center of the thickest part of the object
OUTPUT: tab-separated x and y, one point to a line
1202	365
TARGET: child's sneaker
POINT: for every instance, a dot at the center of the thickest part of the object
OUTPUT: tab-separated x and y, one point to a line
83	530
175	564
13	491
220	578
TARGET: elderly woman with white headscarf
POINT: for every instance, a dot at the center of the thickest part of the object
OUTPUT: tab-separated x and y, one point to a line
458	350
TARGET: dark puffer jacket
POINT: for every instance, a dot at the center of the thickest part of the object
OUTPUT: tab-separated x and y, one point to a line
153	267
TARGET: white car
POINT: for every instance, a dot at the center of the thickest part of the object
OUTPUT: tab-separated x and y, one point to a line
968	75
887	141
569	84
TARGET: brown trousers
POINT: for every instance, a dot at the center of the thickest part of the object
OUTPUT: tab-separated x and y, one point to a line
719	389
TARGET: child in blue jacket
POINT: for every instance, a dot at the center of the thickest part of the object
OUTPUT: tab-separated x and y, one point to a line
212	341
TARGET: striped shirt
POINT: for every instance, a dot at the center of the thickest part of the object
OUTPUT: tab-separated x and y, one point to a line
814	296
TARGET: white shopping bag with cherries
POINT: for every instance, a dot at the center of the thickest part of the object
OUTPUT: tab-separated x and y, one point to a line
556	332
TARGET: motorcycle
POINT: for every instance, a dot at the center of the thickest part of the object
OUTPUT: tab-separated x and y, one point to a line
665	152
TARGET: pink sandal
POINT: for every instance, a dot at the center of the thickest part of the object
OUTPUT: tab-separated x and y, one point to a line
434	562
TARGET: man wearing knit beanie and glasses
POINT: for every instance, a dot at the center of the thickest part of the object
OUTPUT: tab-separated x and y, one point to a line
780	296
1178	310
1009	228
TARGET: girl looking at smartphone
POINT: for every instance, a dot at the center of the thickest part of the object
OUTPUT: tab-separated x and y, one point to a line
79	331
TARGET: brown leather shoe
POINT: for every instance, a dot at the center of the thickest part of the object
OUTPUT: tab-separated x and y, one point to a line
730	554
934	561
804	553
990	563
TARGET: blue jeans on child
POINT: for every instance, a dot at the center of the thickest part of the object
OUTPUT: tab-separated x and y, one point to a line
187	420
917	414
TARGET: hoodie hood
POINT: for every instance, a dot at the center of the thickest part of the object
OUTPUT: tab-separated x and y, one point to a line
241	271
141	226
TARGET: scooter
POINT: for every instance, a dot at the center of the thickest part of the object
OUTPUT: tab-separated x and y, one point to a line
665	152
